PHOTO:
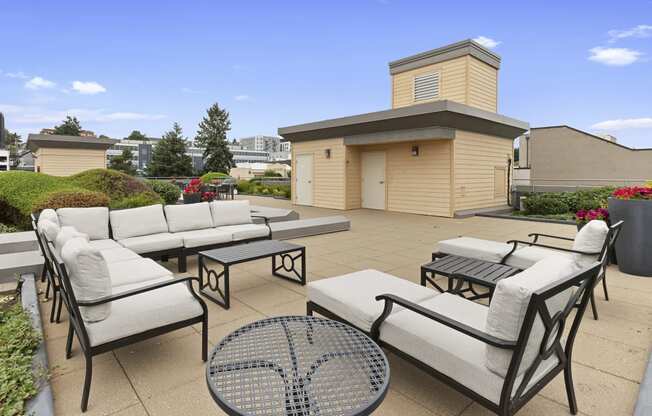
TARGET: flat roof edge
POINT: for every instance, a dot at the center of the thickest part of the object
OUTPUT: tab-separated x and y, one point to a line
445	53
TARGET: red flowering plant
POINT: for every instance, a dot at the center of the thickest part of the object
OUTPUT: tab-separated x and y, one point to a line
193	187
208	196
633	192
585	215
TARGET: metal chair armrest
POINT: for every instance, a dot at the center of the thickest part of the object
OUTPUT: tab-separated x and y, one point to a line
444	320
134	292
537	235
569	250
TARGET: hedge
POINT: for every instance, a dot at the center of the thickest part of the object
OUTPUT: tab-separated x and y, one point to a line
166	190
21	193
254	187
549	203
73	198
210	176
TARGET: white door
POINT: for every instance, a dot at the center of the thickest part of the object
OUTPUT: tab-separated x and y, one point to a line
304	179
373	180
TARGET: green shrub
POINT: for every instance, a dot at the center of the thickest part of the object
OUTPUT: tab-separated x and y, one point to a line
116	185
166	190
18	342
243	187
269	173
19	191
209	176
545	204
7	228
135	201
73	198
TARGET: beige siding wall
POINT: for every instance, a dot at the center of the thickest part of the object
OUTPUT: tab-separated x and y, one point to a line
417	184
453	80
466	80
329	184
65	162
353	184
478	159
483	85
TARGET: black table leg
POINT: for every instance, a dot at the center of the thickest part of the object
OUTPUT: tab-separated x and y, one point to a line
288	264
211	288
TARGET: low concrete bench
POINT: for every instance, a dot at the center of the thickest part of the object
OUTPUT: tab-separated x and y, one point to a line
312	226
13	265
18	242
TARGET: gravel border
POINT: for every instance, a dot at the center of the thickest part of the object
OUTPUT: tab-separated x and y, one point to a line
43	402
513	217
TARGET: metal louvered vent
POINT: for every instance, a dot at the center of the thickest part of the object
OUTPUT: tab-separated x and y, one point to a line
426	87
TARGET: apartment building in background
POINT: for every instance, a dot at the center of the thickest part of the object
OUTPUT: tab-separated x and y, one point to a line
276	149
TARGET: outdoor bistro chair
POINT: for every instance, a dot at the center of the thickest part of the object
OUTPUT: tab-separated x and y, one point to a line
500	355
137	312
523	254
48	273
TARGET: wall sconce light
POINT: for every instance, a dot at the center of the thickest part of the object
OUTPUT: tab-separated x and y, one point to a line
327	153
415	150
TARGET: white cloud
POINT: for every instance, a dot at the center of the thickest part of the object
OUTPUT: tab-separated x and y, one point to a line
89	88
614	56
37	83
487	42
242	97
38	115
640	31
19	75
624	123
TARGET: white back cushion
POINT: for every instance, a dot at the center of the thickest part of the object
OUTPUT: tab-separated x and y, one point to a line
231	212
89	277
67	233
48	214
590	239
134	222
188	217
510	303
48	229
93	222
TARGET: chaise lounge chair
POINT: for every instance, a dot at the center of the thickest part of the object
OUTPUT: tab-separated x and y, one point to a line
594	242
500	356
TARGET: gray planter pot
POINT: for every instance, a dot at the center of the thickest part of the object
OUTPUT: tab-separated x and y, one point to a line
634	244
193	198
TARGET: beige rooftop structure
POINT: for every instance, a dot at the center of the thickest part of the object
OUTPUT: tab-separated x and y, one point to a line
66	155
442	149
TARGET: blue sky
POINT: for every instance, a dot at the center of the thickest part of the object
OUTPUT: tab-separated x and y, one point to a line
142	65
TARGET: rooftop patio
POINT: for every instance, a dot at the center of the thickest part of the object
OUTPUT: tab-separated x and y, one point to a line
165	376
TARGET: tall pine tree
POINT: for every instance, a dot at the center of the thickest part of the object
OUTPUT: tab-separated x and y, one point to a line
212	137
169	156
69	127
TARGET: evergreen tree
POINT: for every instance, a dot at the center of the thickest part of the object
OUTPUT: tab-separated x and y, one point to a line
169	156
15	146
69	127
212	137
136	135
124	162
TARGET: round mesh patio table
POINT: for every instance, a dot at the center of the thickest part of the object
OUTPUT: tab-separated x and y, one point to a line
296	366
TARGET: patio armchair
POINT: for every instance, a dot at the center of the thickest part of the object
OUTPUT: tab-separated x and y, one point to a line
109	310
500	355
595	242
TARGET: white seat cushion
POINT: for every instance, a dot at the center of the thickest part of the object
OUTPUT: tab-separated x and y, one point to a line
527	256
114	255
448	351
509	305
104	244
89	276
134	222
48	229
230	212
154	242
245	231
590	239
353	296
188	217
65	234
475	248
93	222
140	313
198	238
135	271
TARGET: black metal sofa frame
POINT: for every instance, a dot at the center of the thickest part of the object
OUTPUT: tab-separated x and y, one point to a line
604	256
551	343
76	325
